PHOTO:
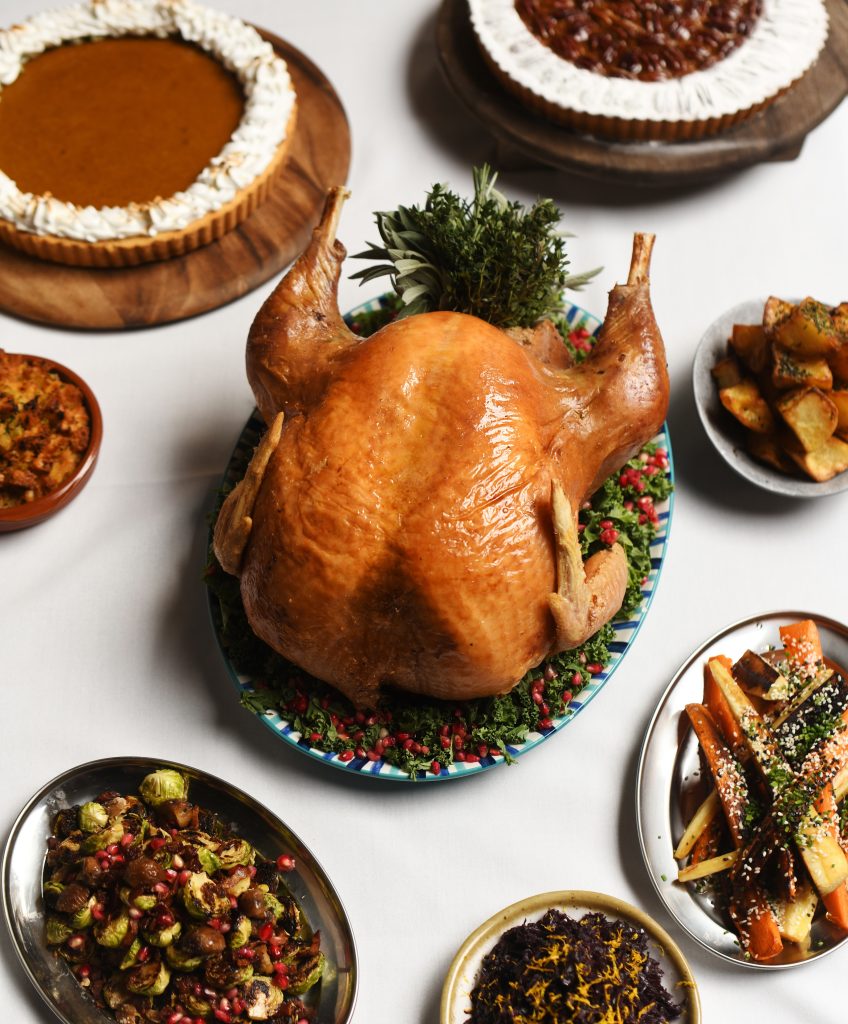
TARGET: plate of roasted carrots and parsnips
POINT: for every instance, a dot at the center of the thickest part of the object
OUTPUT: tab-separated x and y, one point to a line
741	792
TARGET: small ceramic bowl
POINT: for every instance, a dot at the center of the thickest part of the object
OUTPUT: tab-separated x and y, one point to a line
726	434
37	511
463	972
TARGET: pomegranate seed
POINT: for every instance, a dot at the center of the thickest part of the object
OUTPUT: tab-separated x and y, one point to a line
183	876
231	993
143	954
372	755
112	849
566	696
423	749
177	861
126	839
359	752
550	673
402	737
233	902
445	730
582	658
266	931
161	889
624	480
245	953
214	922
445	742
643	518
135	913
545	723
609	536
285	862
605	524
225	926
83	970
537	697
170	874
357	736
119	858
581	527
639	485
460	755
280	980
314	737
458	743
223	1003
75	942
472	759
97	912
483	750
165	920
275	950
544	710
238	1006
435	768
628	505
222	1015
577	679
175	1017
157	843
346	755
252	870
594	667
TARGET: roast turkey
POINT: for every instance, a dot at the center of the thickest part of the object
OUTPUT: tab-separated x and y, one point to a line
409	518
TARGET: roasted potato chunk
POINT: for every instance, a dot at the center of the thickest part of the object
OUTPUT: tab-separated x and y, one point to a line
767	448
775	312
750	343
745	402
792	371
727	372
808	330
810	415
840	400
824	463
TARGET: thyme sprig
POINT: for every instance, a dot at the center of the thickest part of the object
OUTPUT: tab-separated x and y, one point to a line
488	256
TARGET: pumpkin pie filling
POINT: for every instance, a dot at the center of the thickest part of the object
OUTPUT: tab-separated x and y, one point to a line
117	121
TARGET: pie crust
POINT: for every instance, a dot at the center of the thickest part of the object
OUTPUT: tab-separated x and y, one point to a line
226	191
780	48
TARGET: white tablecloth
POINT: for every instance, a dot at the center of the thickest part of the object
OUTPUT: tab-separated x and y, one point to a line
105	645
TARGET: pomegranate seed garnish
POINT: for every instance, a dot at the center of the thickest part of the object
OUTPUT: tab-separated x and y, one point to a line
126	839
402	737
359	751
594	667
135	913
143	954
177	861
472	759
435	768
445	742
605	524
223	1003
483	750
76	942
161	889
314	737
280	980
165	920
444	730
576	679
536	696
266	931
545	723
83	970
222	1015
458	743
231	993
275	951
183	876
372	755
97	912
174	1018
460	755
170	874
157	843
544	709
550	673
246	953
225	926
346	755
566	696
643	518
112	849
422	749
214	922
233	902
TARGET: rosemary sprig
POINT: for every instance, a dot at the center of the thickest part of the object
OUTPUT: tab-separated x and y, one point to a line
489	257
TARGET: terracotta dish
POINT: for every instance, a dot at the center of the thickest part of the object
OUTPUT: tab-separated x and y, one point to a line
30	513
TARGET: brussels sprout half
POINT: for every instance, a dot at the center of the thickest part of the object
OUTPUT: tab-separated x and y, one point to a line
162	785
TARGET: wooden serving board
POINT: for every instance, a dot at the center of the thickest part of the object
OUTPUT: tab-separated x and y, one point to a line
777	133
215	274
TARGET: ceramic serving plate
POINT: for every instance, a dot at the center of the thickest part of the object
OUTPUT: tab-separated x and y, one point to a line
34	512
728	436
463	972
625	630
669	764
23	868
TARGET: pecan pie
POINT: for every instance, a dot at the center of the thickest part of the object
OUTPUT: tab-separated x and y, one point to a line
659	69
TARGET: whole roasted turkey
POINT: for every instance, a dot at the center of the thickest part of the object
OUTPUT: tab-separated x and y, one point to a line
410	517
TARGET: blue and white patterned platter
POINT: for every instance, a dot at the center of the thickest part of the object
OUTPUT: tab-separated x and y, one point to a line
625	630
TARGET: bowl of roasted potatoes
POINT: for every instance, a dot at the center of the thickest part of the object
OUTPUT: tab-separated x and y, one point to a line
771	387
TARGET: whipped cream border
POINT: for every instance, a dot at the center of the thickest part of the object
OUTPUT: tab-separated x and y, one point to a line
269	102
784	43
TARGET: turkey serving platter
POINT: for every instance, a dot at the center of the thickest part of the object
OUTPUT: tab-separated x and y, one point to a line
285	722
23	871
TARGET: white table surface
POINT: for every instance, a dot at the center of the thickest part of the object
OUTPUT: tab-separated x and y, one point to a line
105	646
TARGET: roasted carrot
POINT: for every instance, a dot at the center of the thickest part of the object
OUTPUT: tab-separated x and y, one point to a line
716	704
756	924
802	642
836	902
727	775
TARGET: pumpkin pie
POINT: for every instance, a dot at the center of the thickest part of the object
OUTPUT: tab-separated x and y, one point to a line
136	130
649	70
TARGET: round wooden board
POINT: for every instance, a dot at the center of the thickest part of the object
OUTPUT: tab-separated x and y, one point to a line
776	133
215	274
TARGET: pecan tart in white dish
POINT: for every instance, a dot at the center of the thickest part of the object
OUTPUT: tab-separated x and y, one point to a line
136	130
653	69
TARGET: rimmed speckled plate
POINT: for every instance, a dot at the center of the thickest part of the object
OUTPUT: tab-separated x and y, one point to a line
669	761
625	630
462	975
332	1001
